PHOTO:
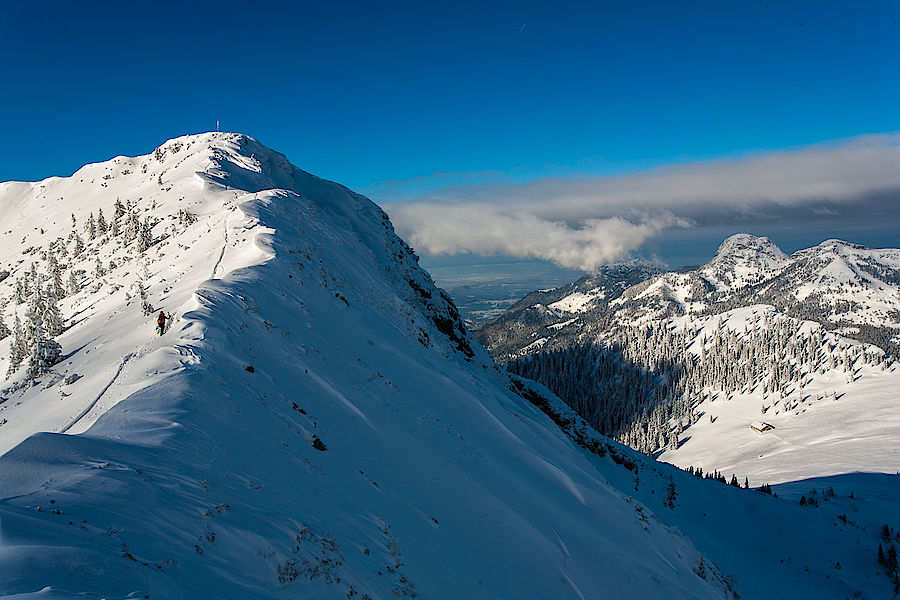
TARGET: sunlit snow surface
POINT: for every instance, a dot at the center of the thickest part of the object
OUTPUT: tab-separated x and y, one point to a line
836	422
314	424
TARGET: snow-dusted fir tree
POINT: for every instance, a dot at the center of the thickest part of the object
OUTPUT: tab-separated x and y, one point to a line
33	318
33	280
118	210
79	246
90	228
19	296
34	337
114	226
140	288
99	270
4	330
44	354
102	226
18	347
145	236
74	283
132	225
51	320
58	288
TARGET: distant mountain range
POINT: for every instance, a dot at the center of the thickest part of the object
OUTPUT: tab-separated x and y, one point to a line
680	364
849	288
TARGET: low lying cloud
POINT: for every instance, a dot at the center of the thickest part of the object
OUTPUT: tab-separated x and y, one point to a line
583	222
491	230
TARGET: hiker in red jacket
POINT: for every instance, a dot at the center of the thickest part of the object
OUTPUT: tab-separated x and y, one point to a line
161	323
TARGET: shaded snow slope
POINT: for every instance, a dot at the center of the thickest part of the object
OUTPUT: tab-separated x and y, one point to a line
316	422
765	545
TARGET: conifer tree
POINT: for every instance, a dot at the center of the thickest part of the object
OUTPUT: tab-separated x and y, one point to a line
74	284
671	495
132	226
145	236
44	354
141	289
33	318
32	279
890	561
59	289
79	246
102	226
19	292
90	228
51	320
17	348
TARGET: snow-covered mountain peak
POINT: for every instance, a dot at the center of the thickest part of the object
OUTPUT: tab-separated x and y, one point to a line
743	259
628	265
314	419
834	243
749	249
145	232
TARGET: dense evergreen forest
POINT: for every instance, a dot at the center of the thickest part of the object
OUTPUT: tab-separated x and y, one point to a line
642	384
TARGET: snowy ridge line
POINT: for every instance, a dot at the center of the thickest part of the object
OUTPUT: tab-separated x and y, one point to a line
112	241
93	403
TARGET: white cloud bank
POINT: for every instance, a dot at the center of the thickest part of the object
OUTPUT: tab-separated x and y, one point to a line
583	222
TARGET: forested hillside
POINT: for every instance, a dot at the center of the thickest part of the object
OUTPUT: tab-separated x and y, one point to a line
663	364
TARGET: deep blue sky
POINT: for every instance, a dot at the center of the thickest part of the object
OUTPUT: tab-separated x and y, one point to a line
373	92
370	91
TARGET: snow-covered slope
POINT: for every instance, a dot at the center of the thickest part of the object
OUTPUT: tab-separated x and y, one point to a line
315	422
836	411
852	284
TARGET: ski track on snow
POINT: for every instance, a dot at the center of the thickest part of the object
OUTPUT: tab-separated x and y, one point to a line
222	253
90	406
